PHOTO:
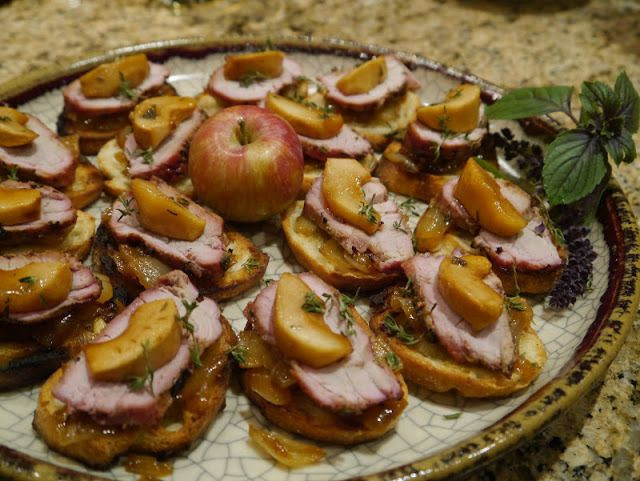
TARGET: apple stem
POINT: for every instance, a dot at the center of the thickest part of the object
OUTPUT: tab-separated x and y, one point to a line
242	134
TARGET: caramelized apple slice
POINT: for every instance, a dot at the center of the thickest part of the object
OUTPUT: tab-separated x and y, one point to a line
431	229
267	64
18	206
364	77
151	339
301	334
155	118
480	195
305	120
342	183
460	284
13	132
107	79
460	111
164	215
35	286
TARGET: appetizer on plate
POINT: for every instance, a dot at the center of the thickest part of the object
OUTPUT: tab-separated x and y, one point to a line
453	328
151	382
156	144
97	105
347	230
154	229
247	78
313	367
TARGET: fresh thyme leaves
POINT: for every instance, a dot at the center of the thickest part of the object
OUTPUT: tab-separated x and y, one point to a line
515	303
344	311
125	89
409	288
12	173
4	118
251	264
452	416
27	280
194	350
399	226
408	207
239	353
396	330
312	303
137	383
393	361
367	210
251	77
127	209
576	162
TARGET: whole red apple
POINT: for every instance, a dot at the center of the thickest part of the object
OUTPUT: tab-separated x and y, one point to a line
246	163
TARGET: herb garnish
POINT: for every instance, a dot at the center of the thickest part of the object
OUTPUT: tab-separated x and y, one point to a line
452	416
194	350
408	207
344	312
312	303
367	210
125	89
251	264
393	361
137	383
251	77
239	353
12	173
575	163
127	209
515	303
396	330
397	225
27	280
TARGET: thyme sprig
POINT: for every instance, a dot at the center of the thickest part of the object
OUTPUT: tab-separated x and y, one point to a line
137	383
194	349
312	303
396	330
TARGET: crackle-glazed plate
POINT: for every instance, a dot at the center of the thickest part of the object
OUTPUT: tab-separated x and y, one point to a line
428	443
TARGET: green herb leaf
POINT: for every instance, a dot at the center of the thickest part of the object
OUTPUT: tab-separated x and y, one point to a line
396	330
599	103
574	165
239	353
515	303
530	102
621	148
312	303
137	383
393	361
452	416
630	108
251	77
27	280
251	264
344	312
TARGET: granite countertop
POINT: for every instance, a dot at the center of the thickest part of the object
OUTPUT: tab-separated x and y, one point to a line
511	43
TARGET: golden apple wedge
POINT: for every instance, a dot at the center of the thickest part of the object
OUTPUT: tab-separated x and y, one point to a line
155	118
364	77
460	111
305	120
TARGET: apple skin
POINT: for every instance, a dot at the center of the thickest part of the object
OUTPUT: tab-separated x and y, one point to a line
250	182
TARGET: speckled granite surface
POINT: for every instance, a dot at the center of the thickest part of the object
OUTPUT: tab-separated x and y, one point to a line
511	43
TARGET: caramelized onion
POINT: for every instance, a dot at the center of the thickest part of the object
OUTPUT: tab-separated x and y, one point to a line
254	351
285	450
142	266
260	382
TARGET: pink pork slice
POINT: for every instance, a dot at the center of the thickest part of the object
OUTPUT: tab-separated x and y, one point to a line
45	160
167	160
201	257
56	212
233	92
398	78
492	347
389	245
74	98
348	143
114	402
354	383
84	285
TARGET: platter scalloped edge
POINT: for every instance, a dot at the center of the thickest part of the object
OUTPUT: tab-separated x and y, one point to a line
588	363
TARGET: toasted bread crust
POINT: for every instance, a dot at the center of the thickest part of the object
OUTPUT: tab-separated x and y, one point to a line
79	437
305	417
305	248
441	373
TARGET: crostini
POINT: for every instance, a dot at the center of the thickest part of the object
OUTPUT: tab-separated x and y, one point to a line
454	329
347	230
163	360
154	228
97	105
313	367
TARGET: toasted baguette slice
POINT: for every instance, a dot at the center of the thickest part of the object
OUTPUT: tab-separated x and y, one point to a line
113	165
303	416
86	186
27	355
428	364
247	265
76	241
382	126
307	247
195	404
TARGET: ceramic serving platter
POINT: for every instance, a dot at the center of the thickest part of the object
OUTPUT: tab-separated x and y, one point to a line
439	435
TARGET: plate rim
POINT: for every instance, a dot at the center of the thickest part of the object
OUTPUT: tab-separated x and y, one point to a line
591	359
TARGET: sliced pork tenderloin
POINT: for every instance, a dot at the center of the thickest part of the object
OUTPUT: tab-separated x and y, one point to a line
348	143
56	214
390	245
46	159
85	287
492	347
353	383
115	403
398	79
236	92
